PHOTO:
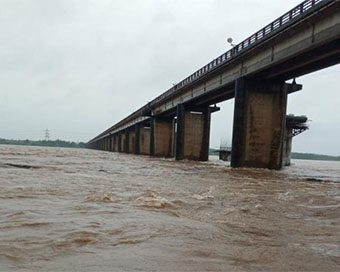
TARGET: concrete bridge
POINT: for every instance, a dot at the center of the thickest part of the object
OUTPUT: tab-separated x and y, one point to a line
177	123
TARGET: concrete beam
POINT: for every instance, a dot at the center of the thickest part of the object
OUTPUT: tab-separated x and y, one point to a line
259	123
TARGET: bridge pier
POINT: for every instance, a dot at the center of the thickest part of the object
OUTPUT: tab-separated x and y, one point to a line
193	133
101	144
113	143
119	142
109	138
126	143
144	140
122	141
116	142
287	148
136	139
107	144
132	141
110	142
162	137
259	123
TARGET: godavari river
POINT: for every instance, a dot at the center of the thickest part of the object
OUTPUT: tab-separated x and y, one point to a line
86	210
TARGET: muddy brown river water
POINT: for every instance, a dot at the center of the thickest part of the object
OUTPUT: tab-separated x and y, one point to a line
86	210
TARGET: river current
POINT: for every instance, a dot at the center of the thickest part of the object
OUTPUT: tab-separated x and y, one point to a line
87	210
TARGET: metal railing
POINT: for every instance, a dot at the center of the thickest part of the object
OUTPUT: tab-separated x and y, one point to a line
260	36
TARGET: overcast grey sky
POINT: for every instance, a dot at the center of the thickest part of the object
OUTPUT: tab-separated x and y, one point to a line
77	67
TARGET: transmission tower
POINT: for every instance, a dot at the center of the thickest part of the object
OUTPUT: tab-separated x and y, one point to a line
47	135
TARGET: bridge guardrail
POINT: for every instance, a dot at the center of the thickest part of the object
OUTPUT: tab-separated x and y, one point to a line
259	36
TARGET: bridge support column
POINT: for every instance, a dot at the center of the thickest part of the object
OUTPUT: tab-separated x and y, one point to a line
116	142
132	141
162	137
144	140
107	143
112	149
287	147
126	143
103	144
259	123
109	139
137	140
119	143
113	146
123	142
193	134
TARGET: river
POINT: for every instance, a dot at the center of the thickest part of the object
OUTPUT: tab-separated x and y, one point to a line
86	210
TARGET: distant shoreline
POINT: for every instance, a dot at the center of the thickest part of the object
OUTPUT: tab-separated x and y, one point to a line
55	143
298	156
314	157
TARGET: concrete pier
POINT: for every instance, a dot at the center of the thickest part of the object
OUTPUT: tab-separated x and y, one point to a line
137	140
122	142
295	125
106	145
259	123
192	133
287	148
132	142
116	142
144	140
162	137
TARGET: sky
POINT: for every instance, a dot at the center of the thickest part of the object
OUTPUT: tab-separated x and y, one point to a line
76	67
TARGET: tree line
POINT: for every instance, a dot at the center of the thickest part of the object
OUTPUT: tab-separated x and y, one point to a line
311	156
55	143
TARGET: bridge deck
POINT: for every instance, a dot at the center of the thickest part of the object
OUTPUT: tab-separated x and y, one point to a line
303	40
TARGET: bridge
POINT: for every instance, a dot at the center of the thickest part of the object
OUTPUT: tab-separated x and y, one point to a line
254	72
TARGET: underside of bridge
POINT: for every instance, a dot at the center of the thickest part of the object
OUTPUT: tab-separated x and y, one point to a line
177	123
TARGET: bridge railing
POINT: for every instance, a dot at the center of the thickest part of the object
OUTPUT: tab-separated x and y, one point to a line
260	36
